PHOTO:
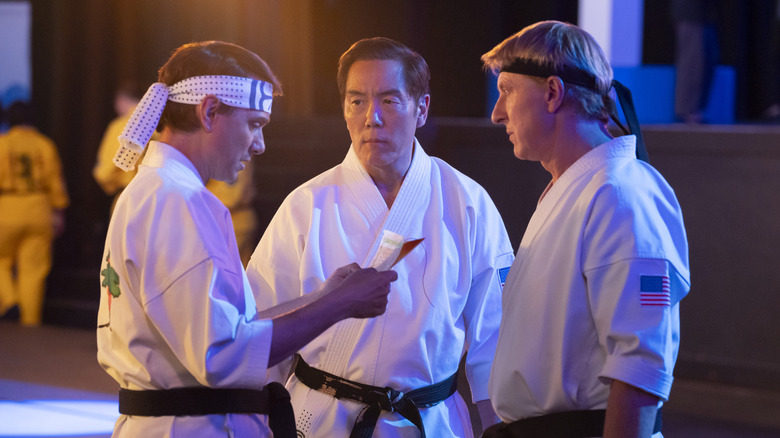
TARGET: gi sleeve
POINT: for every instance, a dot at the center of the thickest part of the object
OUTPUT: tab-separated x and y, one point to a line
634	306
635	267
491	258
213	332
274	271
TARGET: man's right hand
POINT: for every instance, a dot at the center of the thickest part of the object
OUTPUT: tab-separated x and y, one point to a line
361	293
350	292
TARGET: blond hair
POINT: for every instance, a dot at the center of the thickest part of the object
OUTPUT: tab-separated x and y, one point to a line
560	45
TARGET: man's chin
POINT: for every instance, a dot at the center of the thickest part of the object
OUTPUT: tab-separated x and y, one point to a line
230	179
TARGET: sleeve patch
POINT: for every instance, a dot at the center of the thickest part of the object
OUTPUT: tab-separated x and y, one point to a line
502	274
654	290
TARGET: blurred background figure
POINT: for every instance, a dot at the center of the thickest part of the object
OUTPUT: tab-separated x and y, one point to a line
109	177
237	197
33	199
695	58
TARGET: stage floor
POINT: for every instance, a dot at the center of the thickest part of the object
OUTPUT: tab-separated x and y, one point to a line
52	386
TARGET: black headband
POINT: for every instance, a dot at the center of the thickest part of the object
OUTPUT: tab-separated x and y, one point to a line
576	76
572	75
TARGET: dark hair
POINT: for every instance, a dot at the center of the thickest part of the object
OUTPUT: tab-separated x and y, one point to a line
416	73
20	113
208	58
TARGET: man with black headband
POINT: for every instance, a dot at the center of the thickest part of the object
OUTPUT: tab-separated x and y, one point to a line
590	328
178	327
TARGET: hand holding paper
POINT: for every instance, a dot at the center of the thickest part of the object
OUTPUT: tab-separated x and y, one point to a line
391	250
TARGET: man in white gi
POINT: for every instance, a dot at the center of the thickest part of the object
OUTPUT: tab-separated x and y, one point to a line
446	302
178	326
591	304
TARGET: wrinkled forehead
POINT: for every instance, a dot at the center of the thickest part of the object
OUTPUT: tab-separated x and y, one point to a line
375	76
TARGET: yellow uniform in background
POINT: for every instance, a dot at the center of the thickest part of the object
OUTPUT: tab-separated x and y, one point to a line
237	197
32	197
109	177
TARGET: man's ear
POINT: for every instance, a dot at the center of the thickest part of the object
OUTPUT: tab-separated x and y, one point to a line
422	109
554	93
207	111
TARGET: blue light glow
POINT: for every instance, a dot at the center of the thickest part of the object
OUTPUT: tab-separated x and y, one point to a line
60	418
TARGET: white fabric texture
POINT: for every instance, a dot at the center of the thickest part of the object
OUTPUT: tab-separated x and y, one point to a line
185	315
576	310
233	91
446	298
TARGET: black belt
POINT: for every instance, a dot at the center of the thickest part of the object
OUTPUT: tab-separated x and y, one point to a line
376	398
571	424
273	400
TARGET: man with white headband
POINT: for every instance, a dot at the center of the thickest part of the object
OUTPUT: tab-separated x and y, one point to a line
395	375
178	327
590	328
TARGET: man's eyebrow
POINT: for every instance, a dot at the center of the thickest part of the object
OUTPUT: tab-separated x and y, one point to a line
390	92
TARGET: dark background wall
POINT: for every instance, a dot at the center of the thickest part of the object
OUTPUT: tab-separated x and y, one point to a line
727	181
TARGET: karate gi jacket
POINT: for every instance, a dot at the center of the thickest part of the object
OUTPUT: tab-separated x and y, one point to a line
446	299
237	197
593	294
175	305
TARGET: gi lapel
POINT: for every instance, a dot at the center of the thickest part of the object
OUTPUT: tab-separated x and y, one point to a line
405	208
550	198
397	220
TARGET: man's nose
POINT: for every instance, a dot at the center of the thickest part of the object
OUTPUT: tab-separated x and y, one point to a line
498	116
374	115
258	146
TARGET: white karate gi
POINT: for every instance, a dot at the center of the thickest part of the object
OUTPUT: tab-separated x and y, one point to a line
575	312
446	298
185	314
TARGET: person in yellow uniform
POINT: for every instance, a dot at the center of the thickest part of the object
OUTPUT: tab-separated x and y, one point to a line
33	198
237	197
110	178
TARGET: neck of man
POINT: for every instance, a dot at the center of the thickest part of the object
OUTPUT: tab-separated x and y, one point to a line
388	180
191	145
572	137
388	184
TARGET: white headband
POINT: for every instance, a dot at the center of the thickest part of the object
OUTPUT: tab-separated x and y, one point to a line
231	90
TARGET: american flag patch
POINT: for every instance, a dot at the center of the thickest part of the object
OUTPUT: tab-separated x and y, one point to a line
502	273
654	290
